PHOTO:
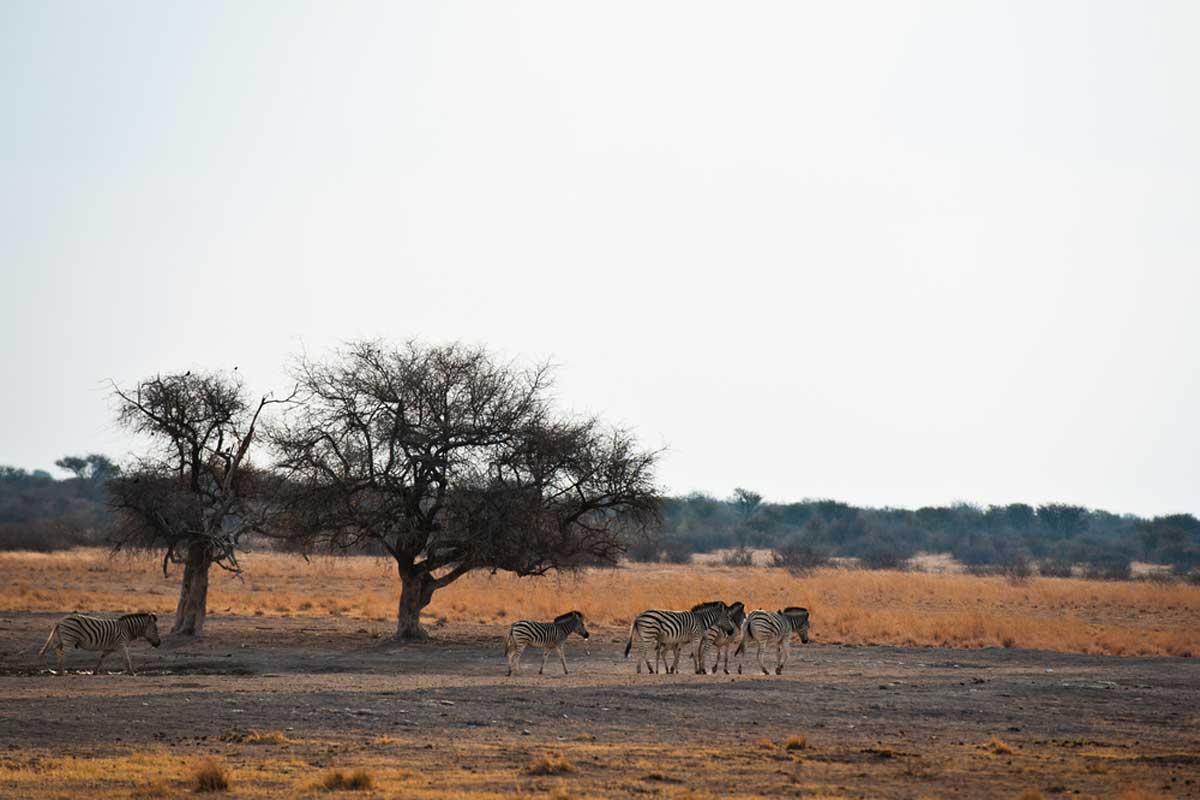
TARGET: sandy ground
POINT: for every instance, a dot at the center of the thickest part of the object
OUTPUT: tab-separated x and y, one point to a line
879	721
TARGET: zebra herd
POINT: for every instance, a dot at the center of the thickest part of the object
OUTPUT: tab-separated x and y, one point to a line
714	625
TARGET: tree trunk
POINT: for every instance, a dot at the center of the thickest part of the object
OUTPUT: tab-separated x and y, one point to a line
193	593
416	590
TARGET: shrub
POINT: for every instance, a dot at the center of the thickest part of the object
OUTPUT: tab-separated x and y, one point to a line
881	555
209	776
798	557
1000	747
739	557
643	551
1018	567
338	781
549	764
1056	568
1109	569
795	743
677	551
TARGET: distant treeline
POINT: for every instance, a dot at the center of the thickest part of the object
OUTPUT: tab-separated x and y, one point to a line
38	512
1055	536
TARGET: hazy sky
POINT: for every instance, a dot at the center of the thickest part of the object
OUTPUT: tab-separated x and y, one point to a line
891	253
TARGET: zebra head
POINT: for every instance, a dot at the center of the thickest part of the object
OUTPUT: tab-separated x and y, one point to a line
798	617
714	614
149	627
737	613
575	619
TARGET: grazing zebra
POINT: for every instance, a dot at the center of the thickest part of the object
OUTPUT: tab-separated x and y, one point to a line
767	627
549	636
724	639
105	635
670	630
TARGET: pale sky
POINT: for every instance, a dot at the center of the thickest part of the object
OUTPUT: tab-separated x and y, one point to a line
893	253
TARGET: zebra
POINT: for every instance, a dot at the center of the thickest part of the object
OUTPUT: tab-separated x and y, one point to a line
766	627
670	630
724	639
549	636
105	635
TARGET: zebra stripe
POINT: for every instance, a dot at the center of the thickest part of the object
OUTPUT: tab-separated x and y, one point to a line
723	639
671	630
105	635
775	627
548	636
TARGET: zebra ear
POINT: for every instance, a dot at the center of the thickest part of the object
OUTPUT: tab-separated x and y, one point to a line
154	617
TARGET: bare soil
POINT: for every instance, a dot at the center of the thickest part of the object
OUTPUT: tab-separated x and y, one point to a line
878	721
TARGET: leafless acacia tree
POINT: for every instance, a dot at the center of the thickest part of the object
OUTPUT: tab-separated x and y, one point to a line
453	462
193	494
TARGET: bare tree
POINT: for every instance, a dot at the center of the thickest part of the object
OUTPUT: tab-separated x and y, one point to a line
193	494
453	462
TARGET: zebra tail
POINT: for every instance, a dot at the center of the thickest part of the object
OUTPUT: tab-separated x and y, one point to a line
49	639
629	641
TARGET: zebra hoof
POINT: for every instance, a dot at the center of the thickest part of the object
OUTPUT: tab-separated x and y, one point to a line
779	670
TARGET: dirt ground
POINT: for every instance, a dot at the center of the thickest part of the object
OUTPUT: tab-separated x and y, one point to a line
440	719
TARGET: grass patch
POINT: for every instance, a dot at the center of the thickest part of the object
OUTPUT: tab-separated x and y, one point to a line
795	742
158	790
209	776
1000	747
257	737
338	781
550	764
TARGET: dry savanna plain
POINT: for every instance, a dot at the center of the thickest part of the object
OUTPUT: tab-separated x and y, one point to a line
913	685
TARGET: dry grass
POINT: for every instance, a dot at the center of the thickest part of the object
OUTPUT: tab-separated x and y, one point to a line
257	737
795	743
209	776
550	764
338	781
848	606
1000	747
626	768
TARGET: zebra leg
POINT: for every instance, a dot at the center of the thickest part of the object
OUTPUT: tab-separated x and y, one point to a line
675	666
515	658
562	659
128	663
785	651
59	653
726	660
103	653
761	647
545	655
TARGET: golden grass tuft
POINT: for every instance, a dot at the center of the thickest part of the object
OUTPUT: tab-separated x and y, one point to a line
257	737
338	781
209	776
1030	794
795	742
765	744
999	747
550	764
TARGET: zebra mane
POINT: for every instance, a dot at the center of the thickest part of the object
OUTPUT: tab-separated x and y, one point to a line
797	610
568	615
709	606
141	616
